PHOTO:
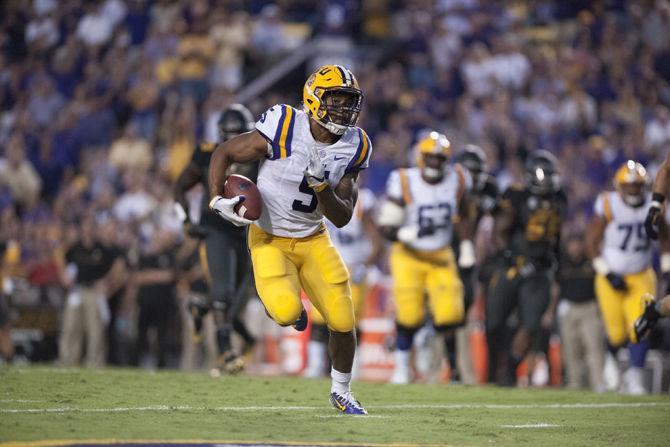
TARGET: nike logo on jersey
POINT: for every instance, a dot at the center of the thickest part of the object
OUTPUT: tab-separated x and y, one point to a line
339	158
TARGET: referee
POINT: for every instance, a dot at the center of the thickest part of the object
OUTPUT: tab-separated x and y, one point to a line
227	257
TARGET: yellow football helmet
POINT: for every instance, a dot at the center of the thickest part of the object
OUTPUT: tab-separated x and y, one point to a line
432	153
631	181
332	98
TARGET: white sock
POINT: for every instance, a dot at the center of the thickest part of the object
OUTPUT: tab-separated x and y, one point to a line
316	356
341	383
401	359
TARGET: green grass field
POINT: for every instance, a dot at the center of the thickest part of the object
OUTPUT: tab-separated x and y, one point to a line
41	404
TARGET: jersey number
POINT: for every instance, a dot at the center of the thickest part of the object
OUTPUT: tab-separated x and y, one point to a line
304	188
640	233
435	216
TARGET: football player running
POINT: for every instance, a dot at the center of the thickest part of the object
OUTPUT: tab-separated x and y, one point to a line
227	259
310	160
423	205
484	198
655	309
359	244
527	231
622	258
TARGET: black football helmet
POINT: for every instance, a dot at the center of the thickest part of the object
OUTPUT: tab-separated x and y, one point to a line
473	158
234	120
541	173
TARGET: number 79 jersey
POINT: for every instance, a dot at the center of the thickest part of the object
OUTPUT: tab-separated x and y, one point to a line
289	204
429	205
625	246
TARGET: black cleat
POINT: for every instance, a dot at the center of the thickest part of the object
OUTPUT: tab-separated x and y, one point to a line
230	363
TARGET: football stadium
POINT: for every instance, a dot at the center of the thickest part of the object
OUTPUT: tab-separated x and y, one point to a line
334	223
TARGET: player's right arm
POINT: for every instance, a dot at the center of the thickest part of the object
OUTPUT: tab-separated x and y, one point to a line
659	191
249	146
391	214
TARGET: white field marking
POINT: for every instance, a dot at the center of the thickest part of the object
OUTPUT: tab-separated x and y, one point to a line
19	400
540	425
313	408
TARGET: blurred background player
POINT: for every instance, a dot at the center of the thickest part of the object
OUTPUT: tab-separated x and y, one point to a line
311	161
527	229
424	205
359	244
484	198
227	257
581	328
622	258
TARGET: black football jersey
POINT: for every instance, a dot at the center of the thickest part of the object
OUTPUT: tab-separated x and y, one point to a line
201	158
537	223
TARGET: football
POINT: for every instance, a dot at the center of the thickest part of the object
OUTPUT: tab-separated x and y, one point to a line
239	185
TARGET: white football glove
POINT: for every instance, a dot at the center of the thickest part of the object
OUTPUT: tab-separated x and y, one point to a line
466	257
225	208
315	172
408	234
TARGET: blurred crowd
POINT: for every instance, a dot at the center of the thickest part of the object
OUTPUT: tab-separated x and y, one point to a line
102	103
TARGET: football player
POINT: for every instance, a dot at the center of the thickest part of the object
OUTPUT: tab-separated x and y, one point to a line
423	205
484	199
310	160
659	191
226	257
527	229
359	245
653	311
622	258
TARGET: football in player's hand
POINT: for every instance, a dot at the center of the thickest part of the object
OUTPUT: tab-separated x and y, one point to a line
238	185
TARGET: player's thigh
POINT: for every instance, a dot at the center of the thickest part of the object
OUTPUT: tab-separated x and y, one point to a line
638	284
534	297
611	306
501	299
445	295
409	286
326	280
277	283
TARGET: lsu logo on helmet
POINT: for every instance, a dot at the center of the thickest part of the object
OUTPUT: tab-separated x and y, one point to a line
332	98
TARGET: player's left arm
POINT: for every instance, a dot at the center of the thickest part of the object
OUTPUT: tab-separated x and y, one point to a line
465	231
338	204
659	193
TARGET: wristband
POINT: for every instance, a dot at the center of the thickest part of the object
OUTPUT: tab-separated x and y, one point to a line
600	266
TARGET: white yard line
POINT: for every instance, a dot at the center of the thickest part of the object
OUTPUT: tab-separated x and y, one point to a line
313	408
540	425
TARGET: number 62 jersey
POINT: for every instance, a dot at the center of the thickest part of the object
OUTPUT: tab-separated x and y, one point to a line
289	204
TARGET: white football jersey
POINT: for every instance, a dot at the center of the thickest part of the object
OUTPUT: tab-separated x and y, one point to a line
351	240
289	204
625	247
430	205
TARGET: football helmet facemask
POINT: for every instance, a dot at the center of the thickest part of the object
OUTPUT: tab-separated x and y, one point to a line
432	155
234	120
541	173
473	158
332	98
631	181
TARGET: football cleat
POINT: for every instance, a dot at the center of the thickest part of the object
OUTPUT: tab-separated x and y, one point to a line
646	321
611	373
633	382
346	403
301	323
230	363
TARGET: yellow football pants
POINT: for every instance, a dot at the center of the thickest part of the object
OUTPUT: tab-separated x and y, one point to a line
358	294
620	309
282	266
415	273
